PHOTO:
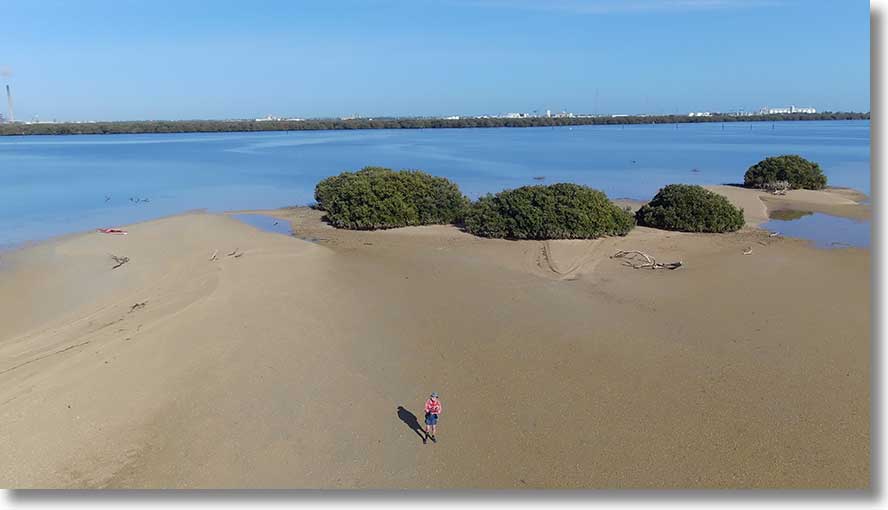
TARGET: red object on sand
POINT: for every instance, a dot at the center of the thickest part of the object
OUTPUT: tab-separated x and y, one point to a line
112	231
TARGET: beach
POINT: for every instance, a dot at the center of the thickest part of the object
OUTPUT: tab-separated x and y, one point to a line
281	362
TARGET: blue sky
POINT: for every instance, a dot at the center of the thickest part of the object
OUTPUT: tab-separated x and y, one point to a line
116	60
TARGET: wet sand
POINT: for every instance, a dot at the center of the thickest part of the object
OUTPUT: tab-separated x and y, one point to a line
558	366
756	204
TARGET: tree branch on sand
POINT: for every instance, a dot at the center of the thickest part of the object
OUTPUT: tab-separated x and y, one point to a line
119	261
640	260
777	188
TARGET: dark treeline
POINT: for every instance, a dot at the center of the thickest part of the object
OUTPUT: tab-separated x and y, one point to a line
217	126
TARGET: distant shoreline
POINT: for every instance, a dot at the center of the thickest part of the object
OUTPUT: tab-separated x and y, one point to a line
225	126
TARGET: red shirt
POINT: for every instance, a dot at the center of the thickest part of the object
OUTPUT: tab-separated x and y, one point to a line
433	406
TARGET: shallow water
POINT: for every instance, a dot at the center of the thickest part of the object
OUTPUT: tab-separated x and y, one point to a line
824	230
266	223
52	185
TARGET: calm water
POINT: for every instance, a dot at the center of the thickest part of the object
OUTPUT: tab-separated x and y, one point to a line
52	185
266	223
826	231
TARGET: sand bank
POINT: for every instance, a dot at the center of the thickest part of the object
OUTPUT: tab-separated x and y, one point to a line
756	204
558	366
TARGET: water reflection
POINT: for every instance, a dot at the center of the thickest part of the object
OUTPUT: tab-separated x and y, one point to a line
824	230
266	223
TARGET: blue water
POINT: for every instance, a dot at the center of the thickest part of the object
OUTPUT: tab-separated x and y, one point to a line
52	185
266	223
824	230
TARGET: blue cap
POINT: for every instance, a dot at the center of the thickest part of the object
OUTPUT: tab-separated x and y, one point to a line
434	394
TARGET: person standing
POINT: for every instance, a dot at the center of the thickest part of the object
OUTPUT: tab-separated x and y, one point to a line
432	410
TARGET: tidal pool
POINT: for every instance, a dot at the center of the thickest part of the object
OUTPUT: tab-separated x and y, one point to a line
824	230
266	223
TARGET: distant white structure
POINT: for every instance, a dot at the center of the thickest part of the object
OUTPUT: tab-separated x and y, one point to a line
273	118
9	103
36	120
786	109
548	113
452	117
700	114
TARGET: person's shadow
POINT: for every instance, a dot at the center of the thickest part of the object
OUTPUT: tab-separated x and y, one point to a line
410	419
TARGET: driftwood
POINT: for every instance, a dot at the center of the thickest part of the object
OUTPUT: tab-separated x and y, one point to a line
213	257
640	260
777	188
233	252
119	260
748	250
138	306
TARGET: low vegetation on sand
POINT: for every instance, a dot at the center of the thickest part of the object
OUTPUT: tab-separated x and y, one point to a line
379	198
796	171
558	211
690	208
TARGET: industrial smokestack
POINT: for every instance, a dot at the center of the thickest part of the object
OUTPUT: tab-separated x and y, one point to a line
9	103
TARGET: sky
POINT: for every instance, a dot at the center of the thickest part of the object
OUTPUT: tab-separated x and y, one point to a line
182	59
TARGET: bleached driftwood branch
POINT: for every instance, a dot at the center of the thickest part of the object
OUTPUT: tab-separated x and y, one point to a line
777	188
640	260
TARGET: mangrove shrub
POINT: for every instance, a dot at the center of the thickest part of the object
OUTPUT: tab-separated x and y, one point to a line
558	211
378	198
796	170
690	208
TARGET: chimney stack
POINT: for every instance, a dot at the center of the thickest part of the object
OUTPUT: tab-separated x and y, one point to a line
9	103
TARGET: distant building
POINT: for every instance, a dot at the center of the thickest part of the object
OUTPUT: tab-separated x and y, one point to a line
272	118
548	113
452	117
700	114
786	109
